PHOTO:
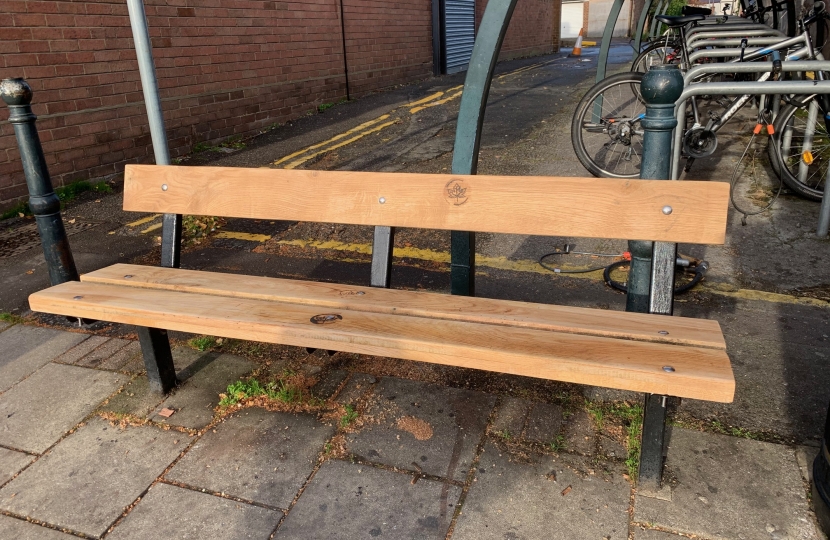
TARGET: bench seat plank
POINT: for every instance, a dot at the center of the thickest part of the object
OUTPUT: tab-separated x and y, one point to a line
334	296
537	205
702	373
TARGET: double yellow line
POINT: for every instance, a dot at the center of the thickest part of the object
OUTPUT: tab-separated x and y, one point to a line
340	140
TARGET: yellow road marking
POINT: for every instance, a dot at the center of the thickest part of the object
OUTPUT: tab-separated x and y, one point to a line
344	143
531	266
244	236
151	228
434	103
426	99
142	221
335	138
414	107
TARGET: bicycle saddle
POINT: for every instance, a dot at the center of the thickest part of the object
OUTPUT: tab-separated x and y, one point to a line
676	22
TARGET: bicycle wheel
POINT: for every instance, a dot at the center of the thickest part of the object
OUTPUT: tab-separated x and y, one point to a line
800	148
655	54
605	131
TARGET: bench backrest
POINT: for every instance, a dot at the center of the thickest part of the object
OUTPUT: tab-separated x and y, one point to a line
666	211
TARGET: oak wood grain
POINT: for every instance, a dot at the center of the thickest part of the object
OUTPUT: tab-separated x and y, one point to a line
616	324
701	373
552	206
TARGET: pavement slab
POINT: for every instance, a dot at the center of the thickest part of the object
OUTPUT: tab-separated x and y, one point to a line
18	529
78	352
729	487
89	479
11	463
347	501
653	534
109	354
198	395
256	455
544	423
173	512
435	427
514	499
38	411
355	388
329	383
580	435
137	399
510	418
27	348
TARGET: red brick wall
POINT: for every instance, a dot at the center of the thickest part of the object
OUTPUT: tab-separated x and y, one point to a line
534	28
225	68
387	42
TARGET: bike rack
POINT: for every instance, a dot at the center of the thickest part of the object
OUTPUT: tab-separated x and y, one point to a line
731	88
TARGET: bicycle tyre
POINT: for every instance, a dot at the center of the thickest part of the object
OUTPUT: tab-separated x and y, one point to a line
653	54
793	119
607	147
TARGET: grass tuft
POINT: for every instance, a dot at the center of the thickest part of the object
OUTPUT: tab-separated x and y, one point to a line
349	417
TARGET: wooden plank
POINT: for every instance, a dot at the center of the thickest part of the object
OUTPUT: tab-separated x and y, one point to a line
617	324
552	206
625	364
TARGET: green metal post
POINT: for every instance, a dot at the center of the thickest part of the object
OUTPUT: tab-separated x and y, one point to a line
651	283
468	131
605	46
641	25
43	201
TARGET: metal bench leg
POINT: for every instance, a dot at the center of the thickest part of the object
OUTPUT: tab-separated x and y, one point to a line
382	244
158	359
651	449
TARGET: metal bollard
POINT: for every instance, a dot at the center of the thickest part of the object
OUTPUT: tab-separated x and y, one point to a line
43	202
661	87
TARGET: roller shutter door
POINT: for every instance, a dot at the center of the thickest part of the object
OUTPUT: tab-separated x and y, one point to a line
460	33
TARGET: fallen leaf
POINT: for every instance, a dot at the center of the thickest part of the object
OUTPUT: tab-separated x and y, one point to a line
71	220
30	272
566	491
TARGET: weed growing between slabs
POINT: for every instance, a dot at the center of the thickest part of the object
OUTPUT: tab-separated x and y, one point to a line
10	318
630	416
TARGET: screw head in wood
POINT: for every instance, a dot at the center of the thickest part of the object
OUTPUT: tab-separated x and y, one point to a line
164	187
668	369
128	276
382	200
77	297
667	209
663	332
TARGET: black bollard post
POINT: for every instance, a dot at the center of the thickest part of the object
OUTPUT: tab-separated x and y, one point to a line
43	202
660	89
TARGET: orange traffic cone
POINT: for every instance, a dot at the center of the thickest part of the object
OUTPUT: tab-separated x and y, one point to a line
578	47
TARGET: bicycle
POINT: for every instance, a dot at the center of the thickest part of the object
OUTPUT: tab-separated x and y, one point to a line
605	130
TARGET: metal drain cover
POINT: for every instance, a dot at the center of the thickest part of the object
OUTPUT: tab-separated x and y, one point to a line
17	239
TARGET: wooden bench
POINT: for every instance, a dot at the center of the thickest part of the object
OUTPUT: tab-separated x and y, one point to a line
655	354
